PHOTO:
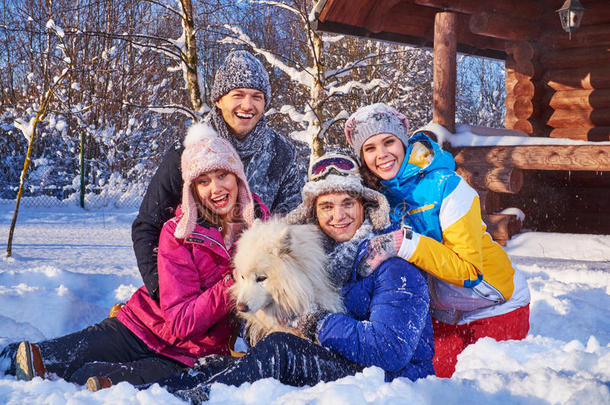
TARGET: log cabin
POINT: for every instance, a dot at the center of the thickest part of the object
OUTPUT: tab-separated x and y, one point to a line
557	86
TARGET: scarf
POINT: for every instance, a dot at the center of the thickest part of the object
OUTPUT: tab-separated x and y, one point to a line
341	255
254	151
251	144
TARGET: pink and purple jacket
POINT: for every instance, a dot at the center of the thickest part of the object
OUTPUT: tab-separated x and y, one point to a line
191	319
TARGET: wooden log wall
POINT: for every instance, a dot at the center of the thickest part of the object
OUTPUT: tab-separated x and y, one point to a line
538	157
490	183
562	201
559	188
575	77
524	91
502	226
555	86
496	179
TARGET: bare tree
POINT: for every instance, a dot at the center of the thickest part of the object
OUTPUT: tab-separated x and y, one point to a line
28	128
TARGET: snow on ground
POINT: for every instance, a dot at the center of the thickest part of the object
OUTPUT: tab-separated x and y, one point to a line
69	266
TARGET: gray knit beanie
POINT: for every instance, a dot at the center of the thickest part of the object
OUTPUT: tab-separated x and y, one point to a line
241	70
372	120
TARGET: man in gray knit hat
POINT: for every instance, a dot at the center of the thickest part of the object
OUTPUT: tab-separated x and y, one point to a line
241	93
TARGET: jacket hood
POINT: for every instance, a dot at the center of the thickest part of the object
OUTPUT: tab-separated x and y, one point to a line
422	155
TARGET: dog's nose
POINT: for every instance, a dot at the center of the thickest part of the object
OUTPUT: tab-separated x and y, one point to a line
241	307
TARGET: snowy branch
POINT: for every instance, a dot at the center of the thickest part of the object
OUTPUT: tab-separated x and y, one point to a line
349	86
278	4
169	109
52	27
138	41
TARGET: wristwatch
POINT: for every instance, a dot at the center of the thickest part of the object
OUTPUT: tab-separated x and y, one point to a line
407	230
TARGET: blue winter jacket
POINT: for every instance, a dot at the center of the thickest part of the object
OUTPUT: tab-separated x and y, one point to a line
387	323
449	239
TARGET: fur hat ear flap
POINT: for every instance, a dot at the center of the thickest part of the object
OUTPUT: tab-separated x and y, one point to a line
379	214
187	222
244	198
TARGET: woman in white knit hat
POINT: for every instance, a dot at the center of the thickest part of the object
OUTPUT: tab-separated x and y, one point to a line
150	339
474	290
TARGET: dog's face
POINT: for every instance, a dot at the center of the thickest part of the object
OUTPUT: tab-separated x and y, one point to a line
257	268
250	291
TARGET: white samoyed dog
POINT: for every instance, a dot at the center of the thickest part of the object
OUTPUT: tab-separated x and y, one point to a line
279	275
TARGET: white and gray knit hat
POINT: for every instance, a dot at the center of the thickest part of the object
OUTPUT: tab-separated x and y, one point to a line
375	204
241	70
372	120
205	151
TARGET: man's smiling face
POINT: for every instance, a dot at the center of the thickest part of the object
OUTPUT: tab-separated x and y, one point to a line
242	109
339	215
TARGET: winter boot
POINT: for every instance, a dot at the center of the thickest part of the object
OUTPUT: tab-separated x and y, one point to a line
29	362
97	383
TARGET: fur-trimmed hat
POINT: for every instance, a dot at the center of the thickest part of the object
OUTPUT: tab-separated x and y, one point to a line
241	70
375	204
205	151
372	120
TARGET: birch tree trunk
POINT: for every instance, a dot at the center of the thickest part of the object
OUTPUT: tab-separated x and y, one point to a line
191	61
26	165
317	90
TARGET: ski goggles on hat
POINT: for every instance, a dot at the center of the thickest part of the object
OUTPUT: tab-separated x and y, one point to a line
341	164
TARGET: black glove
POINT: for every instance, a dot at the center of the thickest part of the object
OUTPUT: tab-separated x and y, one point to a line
308	324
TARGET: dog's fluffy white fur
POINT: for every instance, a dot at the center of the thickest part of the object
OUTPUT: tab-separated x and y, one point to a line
279	275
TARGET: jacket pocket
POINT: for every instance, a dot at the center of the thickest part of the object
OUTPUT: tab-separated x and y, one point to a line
446	296
488	292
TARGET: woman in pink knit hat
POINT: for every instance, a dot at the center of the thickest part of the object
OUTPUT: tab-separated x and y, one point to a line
150	339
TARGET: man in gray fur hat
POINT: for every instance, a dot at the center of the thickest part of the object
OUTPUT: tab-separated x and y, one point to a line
241	93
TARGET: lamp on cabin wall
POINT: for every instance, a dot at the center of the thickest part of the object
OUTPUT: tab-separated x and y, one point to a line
570	15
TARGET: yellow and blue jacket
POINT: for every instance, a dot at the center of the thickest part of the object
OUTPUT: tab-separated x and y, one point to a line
449	239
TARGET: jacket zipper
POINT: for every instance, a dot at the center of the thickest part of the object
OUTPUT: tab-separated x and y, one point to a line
212	240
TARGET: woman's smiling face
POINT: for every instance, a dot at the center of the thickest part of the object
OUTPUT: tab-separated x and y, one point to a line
218	191
383	155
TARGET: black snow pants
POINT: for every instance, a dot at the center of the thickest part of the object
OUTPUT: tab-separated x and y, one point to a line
282	356
107	349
